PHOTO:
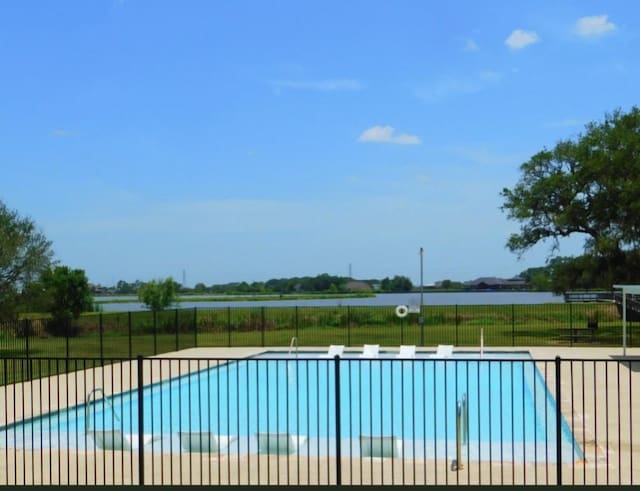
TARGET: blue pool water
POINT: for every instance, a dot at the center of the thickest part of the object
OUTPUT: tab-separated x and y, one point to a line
510	411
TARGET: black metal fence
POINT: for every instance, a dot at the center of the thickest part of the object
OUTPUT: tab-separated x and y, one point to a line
127	334
312	420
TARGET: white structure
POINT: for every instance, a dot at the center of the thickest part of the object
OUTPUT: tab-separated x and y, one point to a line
626	290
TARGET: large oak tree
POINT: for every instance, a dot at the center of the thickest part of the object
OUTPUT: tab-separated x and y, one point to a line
591	186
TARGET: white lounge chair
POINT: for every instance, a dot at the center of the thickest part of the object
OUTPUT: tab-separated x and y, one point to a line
380	446
204	442
407	351
334	349
443	351
116	440
110	439
279	443
370	351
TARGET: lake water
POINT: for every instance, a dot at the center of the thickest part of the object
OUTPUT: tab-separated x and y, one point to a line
382	299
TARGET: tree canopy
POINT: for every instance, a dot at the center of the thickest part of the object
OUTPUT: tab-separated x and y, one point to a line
25	254
397	284
158	294
588	186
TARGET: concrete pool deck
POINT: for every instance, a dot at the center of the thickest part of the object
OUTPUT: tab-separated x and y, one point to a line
603	429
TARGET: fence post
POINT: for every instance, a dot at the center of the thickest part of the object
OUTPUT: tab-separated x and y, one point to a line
296	311
338	429
513	325
177	330
27	328
421	322
195	327
262	324
349	333
155	337
101	335
140	422
457	322
229	326
348	321
570	324
67	326
129	330
558	426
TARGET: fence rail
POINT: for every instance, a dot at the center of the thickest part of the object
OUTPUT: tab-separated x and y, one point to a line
309	420
127	334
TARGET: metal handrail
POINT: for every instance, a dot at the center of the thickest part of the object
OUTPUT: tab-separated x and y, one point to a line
294	340
91	393
462	430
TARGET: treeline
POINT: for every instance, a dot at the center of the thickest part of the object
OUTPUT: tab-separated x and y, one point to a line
322	283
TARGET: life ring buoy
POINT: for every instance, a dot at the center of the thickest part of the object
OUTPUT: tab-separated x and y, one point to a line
402	311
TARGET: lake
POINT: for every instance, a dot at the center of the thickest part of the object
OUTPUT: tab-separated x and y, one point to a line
381	299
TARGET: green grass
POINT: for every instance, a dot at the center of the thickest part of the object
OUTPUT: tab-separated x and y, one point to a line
125	335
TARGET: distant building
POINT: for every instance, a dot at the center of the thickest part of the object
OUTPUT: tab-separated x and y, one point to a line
358	286
493	283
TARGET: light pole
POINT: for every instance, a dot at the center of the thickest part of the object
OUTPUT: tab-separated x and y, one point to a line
421	317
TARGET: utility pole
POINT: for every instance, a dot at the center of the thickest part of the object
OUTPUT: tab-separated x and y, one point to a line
421	317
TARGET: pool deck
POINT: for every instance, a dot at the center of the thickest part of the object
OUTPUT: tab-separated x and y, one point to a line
603	430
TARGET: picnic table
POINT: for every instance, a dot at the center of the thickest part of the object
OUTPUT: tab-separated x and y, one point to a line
575	334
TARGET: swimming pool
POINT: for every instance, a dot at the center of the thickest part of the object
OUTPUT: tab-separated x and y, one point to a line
511	414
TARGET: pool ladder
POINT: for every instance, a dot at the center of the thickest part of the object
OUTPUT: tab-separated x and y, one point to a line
462	430
92	395
294	341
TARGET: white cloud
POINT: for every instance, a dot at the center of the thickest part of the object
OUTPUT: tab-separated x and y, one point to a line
595	25
320	85
519	39
386	134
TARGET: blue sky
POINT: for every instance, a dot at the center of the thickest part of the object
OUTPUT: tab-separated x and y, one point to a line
248	140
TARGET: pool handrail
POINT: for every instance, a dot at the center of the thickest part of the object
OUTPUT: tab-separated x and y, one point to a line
294	341
93	392
462	430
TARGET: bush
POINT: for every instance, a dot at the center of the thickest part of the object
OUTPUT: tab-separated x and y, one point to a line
62	328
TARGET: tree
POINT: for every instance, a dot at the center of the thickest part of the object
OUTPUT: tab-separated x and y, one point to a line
397	284
25	254
66	294
158	294
538	279
200	288
588	186
451	285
